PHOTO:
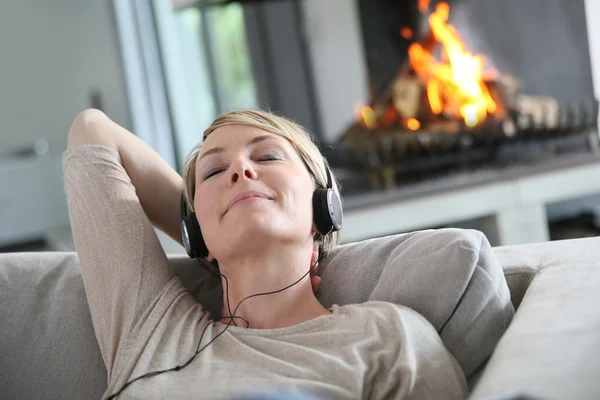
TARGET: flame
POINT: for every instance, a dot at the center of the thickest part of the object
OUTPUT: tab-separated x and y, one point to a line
433	95
406	32
454	85
413	124
423	6
366	116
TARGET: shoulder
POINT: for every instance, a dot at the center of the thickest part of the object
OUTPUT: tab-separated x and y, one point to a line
379	310
388	319
405	353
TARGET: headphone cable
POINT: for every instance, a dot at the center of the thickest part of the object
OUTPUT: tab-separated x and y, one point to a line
231	319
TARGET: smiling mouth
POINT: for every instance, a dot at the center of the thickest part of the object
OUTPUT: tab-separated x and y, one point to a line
246	198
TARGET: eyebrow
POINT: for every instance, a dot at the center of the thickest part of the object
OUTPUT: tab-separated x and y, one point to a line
217	150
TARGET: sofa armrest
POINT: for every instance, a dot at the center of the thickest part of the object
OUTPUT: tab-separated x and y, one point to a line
551	350
521	263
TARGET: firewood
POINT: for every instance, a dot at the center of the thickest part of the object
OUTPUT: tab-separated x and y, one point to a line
507	88
544	111
407	96
496	92
452	126
512	85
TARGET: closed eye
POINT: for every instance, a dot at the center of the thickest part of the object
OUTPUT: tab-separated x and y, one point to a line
213	172
266	157
270	157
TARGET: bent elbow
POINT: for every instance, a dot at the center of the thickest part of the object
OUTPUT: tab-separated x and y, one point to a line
87	129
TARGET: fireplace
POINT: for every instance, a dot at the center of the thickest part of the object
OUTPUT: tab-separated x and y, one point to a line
467	85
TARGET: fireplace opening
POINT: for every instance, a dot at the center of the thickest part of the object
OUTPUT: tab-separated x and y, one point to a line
449	107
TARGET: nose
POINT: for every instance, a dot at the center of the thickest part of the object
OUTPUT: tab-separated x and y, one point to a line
240	170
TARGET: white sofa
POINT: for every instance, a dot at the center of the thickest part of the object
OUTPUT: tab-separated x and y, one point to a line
551	349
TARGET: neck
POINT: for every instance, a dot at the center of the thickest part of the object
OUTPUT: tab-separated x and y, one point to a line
270	271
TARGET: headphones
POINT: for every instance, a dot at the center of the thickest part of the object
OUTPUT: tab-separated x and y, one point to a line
327	215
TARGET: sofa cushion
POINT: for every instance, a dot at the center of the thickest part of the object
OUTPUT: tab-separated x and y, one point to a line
552	348
450	276
47	343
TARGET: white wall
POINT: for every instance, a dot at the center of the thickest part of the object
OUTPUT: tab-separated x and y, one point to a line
53	54
335	47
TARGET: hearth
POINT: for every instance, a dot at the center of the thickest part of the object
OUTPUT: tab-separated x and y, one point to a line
447	108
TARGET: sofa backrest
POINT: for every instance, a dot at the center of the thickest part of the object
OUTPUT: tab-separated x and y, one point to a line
48	349
47	343
521	263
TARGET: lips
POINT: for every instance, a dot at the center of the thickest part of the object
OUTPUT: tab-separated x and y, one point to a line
244	196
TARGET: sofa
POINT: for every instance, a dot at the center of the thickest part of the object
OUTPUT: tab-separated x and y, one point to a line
544	345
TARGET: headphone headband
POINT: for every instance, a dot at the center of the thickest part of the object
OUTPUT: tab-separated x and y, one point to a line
329	180
182	205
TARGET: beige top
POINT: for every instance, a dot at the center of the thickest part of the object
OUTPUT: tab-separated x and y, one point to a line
145	320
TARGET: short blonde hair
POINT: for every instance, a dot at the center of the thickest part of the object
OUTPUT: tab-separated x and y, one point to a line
301	140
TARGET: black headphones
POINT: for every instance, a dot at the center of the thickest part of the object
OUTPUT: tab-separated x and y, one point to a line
327	215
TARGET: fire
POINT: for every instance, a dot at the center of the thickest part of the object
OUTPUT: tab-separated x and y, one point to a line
423	6
455	85
406	32
366	116
413	124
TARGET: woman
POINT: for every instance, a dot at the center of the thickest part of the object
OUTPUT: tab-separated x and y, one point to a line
250	184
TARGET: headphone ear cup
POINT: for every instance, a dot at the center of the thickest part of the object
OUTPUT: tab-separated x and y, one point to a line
192	237
327	211
321	211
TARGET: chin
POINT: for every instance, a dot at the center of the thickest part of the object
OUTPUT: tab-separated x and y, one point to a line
250	228
257	231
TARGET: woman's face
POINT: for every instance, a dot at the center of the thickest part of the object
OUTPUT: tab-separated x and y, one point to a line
251	188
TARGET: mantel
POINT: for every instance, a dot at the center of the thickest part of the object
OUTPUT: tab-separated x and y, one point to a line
509	202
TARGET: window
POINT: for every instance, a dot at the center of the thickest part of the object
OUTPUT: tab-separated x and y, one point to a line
208	69
234	79
185	64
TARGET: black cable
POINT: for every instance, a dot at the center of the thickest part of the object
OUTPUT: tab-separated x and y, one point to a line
228	303
231	318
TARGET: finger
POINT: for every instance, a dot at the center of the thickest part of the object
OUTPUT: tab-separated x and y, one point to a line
314	259
315	282
315	254
314	268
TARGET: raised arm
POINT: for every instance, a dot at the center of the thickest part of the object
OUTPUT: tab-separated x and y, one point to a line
147	170
117	188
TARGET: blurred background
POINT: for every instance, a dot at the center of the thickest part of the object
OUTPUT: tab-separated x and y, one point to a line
467	113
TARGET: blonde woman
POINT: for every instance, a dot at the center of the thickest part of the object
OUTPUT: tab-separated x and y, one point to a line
250	185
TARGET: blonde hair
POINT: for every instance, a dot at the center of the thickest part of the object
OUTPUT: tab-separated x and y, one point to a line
300	139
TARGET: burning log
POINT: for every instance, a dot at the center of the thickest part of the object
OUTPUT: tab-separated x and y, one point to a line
509	87
444	101
451	127
407	96
542	111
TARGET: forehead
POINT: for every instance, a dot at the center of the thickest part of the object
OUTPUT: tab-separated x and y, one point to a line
236	137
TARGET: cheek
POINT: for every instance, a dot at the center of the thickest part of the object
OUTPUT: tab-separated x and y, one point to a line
302	193
205	204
